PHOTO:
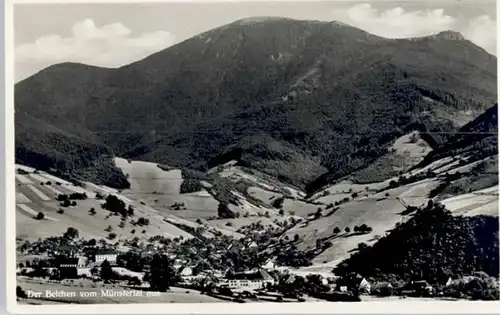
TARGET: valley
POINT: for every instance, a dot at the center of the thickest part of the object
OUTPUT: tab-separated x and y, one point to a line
277	172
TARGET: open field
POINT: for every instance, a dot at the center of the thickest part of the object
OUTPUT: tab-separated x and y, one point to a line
147	177
35	197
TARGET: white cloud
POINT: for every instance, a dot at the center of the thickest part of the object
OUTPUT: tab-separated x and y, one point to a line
111	45
395	22
398	23
482	31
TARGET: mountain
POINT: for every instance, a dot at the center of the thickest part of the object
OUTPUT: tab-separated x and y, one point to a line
306	102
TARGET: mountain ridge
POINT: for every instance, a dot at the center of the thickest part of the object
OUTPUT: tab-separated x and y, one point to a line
278	96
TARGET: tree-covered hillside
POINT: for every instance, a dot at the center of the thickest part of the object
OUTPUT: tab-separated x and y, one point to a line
298	100
434	245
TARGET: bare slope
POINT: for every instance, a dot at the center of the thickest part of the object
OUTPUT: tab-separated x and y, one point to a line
34	195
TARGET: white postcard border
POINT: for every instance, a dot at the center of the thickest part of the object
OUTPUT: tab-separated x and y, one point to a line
395	307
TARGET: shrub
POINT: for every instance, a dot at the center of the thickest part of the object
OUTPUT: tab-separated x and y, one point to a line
130	210
62	197
318	213
278	203
224	212
60	211
115	205
296	238
78	196
414	138
111	236
40	216
22	172
66	203
71	233
142	221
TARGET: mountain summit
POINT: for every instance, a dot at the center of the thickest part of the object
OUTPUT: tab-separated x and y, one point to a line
451	35
293	99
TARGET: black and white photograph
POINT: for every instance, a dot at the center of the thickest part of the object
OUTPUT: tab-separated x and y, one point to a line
271	153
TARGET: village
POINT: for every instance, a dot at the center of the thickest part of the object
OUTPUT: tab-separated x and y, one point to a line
226	270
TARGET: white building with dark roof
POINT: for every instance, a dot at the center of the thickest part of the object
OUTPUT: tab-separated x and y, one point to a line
100	255
250	280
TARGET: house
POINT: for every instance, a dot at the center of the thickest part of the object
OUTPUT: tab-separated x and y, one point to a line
290	279
100	255
186	271
235	247
179	264
250	280
354	283
364	286
382	289
70	267
250	243
270	264
458	281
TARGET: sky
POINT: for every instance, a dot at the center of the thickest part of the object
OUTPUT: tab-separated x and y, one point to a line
112	35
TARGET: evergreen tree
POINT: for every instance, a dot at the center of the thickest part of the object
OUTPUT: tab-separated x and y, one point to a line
106	270
162	274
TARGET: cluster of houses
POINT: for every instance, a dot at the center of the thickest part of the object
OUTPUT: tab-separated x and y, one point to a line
74	266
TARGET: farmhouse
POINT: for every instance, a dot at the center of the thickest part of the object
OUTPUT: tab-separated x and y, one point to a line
186	271
250	244
270	264
355	283
458	281
382	289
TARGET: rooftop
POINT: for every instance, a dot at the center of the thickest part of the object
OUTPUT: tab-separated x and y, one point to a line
258	275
